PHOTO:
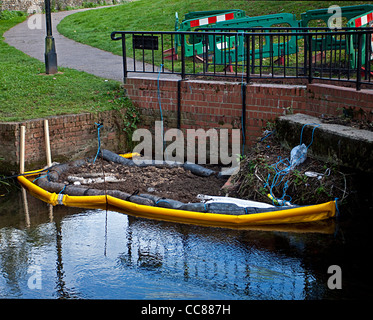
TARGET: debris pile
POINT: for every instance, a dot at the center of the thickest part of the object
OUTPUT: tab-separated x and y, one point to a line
176	183
310	182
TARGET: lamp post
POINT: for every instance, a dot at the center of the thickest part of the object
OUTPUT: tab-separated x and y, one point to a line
50	48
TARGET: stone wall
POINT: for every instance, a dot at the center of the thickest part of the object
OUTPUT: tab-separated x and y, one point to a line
24	5
20	5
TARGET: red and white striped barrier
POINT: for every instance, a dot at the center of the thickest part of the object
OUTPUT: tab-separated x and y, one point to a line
210	20
364	20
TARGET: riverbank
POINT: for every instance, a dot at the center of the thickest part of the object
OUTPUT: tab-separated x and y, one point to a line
311	182
264	171
27	93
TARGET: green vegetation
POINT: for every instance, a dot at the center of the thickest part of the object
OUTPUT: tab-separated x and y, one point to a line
257	177
130	116
26	92
8	15
94	27
87	4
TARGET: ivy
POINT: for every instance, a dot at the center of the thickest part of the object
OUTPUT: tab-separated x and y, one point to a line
129	113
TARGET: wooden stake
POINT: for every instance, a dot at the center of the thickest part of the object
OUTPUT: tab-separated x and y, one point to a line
25	206
50	207
22	150
47	143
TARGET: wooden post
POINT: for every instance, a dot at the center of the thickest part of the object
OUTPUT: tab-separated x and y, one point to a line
25	206
50	208
22	150
47	143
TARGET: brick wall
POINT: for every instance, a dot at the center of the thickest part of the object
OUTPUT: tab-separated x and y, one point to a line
209	104
71	137
330	100
204	104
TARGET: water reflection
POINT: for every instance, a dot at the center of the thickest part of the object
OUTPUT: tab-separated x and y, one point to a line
76	253
216	260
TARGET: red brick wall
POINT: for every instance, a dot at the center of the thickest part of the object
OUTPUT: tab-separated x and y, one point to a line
71	137
213	104
330	100
204	104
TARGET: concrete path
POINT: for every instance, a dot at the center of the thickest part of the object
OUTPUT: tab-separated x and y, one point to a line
72	54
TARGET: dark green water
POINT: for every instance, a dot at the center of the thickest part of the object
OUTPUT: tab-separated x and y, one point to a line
91	254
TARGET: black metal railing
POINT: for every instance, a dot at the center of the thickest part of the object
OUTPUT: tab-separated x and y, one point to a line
343	55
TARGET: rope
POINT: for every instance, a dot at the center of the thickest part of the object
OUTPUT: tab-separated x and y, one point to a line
40	178
265	137
278	179
336	207
313	130
161	200
242	96
133	194
27	174
62	189
99	125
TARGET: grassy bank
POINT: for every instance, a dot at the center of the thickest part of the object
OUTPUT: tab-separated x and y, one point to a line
26	93
94	27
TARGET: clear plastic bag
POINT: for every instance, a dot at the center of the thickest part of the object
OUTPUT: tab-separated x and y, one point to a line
298	155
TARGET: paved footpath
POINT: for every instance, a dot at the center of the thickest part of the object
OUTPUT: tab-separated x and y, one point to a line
72	54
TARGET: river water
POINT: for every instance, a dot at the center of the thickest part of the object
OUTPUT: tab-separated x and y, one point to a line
57	252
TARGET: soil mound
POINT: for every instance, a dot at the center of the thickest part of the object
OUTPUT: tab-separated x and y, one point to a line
311	182
174	183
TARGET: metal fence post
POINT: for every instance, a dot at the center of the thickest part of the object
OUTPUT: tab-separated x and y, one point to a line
182	57
253	53
359	58
247	40
310	59
305	56
124	55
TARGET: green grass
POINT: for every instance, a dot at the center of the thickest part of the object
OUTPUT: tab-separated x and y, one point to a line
94	27
25	93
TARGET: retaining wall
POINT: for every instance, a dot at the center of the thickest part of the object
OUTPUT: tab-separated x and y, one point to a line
71	137
213	104
204	104
25	5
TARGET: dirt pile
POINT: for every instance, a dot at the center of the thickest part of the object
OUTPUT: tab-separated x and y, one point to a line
174	183
311	182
